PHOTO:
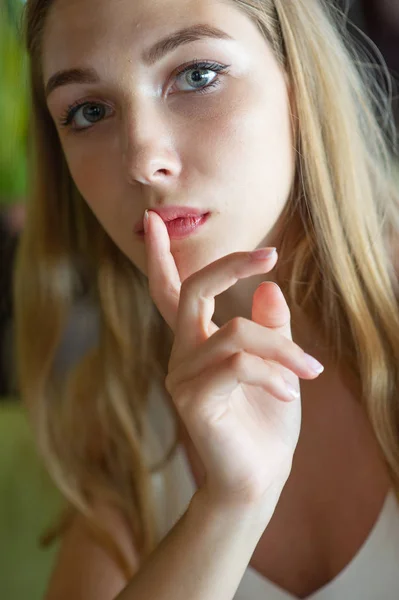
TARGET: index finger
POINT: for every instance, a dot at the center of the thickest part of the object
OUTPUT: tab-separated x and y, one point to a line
163	276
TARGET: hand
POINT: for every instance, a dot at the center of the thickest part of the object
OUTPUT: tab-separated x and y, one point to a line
236	388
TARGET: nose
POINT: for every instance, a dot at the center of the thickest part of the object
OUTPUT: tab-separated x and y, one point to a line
149	149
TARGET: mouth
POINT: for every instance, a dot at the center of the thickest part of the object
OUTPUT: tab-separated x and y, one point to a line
172	213
182	227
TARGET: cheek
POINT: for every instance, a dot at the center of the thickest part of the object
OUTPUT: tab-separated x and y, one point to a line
249	145
89	171
95	173
93	169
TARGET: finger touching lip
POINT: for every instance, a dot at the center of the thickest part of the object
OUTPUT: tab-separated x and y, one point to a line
181	227
163	275
170	213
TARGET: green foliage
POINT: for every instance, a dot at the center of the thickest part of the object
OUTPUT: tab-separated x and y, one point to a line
13	104
30	504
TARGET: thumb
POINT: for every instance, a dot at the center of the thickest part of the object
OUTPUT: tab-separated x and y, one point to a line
270	309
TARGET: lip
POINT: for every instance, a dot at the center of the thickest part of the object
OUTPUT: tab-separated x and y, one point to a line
170	213
181	227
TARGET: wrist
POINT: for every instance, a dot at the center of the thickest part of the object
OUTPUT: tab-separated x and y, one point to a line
249	518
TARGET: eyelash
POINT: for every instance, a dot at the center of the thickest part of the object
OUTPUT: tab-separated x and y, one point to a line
67	117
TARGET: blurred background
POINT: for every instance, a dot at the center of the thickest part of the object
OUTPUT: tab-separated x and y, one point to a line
28	501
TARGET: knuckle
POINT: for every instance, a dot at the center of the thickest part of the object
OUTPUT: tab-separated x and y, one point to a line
188	285
236	326
239	362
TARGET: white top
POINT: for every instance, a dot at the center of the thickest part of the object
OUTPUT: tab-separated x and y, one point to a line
373	574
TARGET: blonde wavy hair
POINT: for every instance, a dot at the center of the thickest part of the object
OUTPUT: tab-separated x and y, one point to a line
89	428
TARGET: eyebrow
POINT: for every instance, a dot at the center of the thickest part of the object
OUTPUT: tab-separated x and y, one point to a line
149	56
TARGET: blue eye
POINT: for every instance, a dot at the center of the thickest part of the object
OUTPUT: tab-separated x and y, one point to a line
198	69
94	112
91	111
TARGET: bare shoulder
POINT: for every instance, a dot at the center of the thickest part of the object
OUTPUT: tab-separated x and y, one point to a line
83	569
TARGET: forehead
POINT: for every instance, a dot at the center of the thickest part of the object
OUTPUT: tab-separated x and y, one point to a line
78	31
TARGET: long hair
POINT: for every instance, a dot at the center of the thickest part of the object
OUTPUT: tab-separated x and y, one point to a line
89	427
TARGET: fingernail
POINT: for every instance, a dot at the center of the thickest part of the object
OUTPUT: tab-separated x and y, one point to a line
314	364
146	221
263	253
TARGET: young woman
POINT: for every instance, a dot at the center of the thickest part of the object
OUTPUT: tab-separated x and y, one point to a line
241	125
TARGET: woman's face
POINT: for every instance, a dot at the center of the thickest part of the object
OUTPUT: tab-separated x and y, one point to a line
147	137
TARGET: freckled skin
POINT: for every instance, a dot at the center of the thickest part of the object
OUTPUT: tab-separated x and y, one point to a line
228	151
